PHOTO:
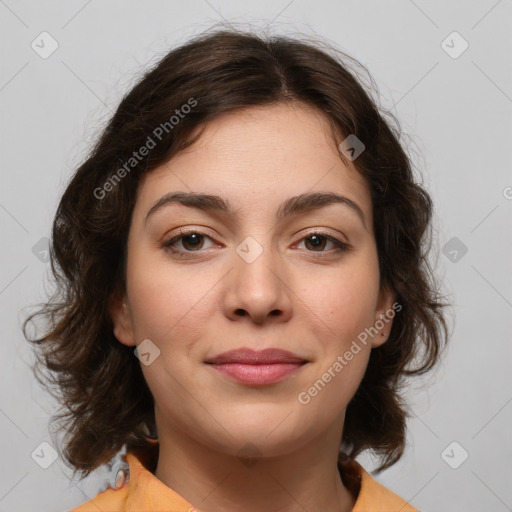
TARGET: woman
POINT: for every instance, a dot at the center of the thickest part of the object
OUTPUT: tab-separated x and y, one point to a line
243	286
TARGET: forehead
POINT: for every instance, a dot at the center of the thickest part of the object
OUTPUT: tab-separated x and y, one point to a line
257	158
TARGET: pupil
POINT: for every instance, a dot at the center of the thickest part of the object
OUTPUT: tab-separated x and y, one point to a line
192	236
317	241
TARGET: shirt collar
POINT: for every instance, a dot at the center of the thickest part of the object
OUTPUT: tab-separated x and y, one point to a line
146	492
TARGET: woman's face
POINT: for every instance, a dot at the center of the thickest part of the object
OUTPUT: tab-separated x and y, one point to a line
265	273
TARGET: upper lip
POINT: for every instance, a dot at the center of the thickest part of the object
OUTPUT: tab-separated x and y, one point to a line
249	356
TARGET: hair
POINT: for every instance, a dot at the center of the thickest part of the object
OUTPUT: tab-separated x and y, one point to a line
105	401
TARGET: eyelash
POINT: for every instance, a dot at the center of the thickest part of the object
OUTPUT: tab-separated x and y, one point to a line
340	246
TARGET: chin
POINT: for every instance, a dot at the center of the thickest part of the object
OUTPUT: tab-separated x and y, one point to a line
256	434
260	444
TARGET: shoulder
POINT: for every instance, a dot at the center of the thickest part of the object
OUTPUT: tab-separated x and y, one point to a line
111	500
374	497
141	491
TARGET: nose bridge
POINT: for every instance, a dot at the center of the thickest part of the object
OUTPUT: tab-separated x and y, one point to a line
257	265
258	285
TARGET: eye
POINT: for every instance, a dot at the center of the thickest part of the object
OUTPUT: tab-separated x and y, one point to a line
318	240
193	241
190	239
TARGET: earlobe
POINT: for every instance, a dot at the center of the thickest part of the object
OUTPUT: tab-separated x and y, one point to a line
121	320
384	316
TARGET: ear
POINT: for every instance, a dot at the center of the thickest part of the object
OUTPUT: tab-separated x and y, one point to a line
120	314
384	315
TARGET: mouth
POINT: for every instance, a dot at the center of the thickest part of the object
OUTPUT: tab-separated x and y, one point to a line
257	368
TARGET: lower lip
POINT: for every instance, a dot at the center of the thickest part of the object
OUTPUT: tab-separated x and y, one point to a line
257	374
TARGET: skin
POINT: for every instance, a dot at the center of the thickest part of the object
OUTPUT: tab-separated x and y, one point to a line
210	300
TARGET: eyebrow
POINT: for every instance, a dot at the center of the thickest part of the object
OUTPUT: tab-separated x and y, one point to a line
292	206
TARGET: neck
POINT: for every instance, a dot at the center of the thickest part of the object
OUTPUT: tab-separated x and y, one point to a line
306	479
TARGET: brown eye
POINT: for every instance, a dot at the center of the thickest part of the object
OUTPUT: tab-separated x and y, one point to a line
316	242
191	241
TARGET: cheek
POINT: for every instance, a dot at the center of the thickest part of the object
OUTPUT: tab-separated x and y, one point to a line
167	302
344	302
344	309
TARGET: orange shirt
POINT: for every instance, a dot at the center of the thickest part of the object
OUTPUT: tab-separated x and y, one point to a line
144	492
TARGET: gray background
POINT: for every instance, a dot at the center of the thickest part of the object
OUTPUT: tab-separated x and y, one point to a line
456	113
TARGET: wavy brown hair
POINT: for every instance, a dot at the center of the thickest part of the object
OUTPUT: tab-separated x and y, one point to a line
106	403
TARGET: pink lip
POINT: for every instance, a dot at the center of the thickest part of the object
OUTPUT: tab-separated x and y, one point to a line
257	368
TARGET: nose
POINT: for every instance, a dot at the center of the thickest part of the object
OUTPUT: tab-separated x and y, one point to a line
258	289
